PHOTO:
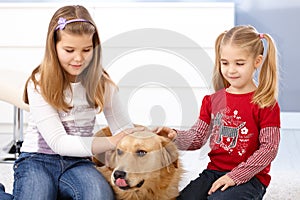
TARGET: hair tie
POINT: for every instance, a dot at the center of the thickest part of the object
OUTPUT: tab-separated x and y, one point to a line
62	22
261	35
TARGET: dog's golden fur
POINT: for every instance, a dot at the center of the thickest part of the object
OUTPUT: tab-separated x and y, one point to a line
144	166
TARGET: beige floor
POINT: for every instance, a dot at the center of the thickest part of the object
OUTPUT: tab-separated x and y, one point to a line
285	183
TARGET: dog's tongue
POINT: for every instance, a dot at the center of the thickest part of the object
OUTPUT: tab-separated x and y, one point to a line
121	182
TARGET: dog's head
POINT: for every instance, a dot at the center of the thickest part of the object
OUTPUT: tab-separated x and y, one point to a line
141	158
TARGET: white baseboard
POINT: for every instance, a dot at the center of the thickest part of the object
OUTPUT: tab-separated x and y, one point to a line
289	120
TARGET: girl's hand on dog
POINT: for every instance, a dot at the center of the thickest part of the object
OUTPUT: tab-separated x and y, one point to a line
135	129
166	132
106	143
116	138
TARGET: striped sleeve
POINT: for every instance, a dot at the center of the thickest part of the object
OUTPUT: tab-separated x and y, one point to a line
269	142
194	138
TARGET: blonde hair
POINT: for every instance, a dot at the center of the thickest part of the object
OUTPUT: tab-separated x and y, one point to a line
53	79
248	38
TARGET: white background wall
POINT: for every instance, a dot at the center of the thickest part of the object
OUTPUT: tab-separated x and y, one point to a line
183	47
160	54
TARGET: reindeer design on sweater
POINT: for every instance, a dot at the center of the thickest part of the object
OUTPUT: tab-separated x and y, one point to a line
227	131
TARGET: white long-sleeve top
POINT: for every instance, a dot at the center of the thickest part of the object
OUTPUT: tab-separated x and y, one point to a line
69	133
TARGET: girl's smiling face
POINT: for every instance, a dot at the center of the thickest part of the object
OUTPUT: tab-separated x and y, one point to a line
237	67
74	53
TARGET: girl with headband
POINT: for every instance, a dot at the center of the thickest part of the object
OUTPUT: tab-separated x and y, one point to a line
65	92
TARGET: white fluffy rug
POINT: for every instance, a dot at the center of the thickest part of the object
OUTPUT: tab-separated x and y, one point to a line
285	183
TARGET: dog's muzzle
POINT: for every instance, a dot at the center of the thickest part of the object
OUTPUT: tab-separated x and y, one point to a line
121	182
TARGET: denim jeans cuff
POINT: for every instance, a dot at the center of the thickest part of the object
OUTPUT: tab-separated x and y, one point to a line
2	188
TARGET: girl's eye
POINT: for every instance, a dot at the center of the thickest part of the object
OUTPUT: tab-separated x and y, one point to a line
223	63
239	64
86	50
141	153
69	50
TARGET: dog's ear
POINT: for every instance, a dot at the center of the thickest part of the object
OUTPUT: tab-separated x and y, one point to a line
104	132
100	159
110	159
169	152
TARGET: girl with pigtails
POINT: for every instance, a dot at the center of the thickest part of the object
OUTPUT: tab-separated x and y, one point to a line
241	119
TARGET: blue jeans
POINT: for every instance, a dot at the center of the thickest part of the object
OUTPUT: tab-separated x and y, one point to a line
3	195
49	177
198	189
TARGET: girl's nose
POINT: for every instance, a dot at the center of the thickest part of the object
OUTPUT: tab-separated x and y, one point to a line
78	57
231	69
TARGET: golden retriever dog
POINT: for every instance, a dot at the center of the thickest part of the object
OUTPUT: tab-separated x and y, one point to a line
144	166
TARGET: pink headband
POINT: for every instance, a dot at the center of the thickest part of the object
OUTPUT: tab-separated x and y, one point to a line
62	22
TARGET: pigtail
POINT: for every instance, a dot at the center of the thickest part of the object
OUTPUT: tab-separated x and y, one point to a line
218	80
267	90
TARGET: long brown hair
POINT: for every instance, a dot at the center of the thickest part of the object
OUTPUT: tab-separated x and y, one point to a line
53	80
248	38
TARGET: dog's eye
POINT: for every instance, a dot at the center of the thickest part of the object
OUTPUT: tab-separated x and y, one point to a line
119	152
141	153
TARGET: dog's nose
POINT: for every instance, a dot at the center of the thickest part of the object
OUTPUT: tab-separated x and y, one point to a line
119	174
